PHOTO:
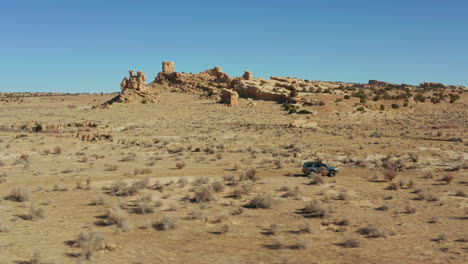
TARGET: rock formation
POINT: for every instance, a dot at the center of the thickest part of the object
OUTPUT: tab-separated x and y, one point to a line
134	89
229	97
247	75
168	67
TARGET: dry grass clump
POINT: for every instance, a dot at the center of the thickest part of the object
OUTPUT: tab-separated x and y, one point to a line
201	180
143	206
111	167
203	194
315	209
3	177
57	150
461	193
300	244
35	213
19	194
442	237
371	231
263	201
350	242
390	174
218	186
447	179
226	228
197	215
90	242
305	228
410	209
237	211
317	180
273	230
121	188
180	165
119	217
278	243
142	171
292	193
166	223
4	228
98	201
250	174
244	189
130	157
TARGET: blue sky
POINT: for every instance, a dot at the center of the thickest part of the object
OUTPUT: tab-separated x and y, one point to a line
89	46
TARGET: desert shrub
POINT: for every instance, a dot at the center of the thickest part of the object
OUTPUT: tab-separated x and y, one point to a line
347	97
242	190
431	198
360	109
229	178
383	208
273	230
90	242
118	217
433	220
263	201
249	174
382	107
182	182
35	213
338	100
180	165
278	243
279	164
351	243
218	186
461	193
390	174
19	194
371	231
201	180
410	209
343	195
342	222
3	177
111	167
447	179
300	244
317	180
395	106
57	150
128	158
292	193
59	188
226	228
203	194
442	237
166	223
321	103
304	228
237	211
314	209
143	206
98	201
4	228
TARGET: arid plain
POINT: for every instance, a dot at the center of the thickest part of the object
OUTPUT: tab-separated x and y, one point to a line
187	179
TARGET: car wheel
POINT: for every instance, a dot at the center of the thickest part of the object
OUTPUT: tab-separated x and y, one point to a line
332	173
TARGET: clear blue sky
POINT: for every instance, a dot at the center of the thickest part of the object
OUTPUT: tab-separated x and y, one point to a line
89	46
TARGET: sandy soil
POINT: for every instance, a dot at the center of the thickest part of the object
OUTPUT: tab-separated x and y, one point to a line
424	221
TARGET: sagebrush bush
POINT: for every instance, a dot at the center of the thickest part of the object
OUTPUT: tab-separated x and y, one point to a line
218	186
305	228
19	194
317	180
166	223
371	231
390	174
263	201
119	217
89	242
273	229
351	242
203	194
447	179
250	174
315	209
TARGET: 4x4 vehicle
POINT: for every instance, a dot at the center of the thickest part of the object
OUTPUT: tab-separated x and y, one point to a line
310	167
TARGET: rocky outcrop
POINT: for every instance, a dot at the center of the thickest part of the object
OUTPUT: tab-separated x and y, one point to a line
134	90
432	85
304	123
229	97
168	67
247	75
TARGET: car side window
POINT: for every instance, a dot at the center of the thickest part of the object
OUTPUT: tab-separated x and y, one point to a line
318	165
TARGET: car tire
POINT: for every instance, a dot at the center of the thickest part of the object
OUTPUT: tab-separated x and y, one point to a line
332	173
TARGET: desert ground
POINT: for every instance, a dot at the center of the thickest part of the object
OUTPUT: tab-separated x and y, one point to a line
190	180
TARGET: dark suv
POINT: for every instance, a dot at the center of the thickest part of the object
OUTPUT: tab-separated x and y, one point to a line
310	167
